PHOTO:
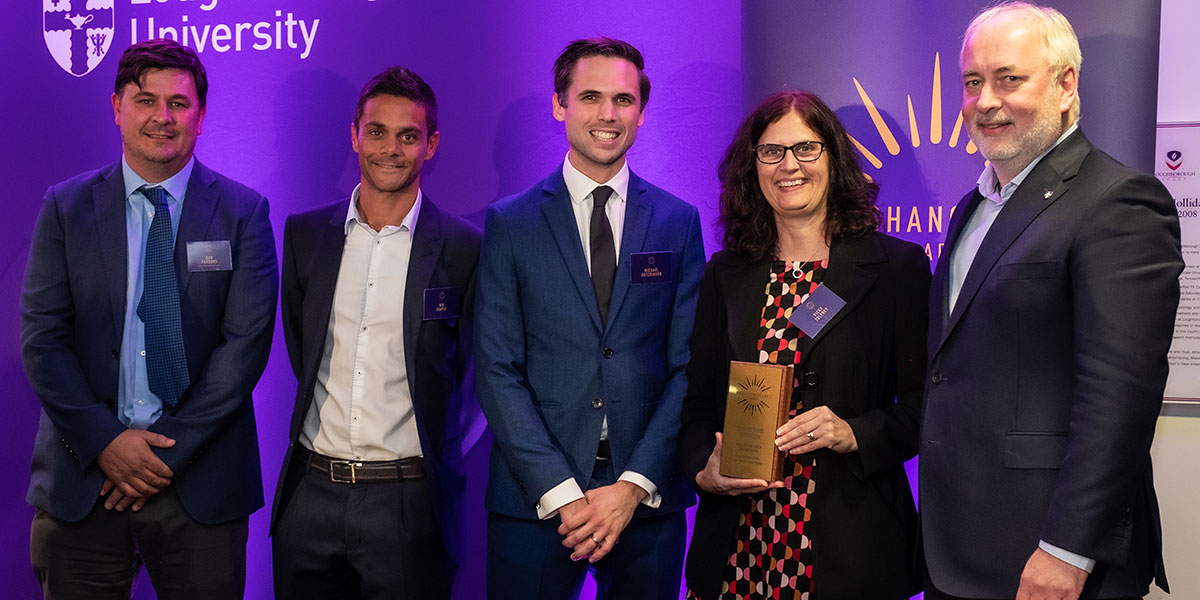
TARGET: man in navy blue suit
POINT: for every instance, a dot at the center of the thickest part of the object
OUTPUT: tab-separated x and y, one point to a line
587	287
146	321
378	301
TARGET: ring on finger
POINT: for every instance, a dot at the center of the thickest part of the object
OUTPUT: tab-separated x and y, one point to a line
812	437
594	540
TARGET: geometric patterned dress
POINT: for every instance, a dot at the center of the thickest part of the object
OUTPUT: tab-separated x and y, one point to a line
773	554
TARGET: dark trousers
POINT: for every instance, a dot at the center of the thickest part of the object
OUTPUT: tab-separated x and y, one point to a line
363	540
932	593
527	561
98	557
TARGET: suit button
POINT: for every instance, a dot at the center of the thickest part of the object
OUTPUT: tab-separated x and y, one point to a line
597	403
608	352
936	378
116	354
811	379
108	402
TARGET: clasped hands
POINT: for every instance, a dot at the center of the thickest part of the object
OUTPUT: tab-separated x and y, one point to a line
133	473
592	525
811	430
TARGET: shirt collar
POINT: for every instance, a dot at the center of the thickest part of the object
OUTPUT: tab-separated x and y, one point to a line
579	186
988	181
176	185
408	224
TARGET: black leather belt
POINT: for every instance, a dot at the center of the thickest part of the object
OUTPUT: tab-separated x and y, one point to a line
603	451
362	471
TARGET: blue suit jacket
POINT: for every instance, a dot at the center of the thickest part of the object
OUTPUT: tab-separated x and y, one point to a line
445	253
549	370
72	317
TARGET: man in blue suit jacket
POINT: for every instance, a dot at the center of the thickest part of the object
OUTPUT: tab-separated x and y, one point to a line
582	352
183	458
378	301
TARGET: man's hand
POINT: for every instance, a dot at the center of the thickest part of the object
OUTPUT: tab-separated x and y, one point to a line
118	500
712	481
132	468
601	521
1048	578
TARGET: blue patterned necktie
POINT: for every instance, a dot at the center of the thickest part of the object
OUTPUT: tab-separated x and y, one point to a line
166	364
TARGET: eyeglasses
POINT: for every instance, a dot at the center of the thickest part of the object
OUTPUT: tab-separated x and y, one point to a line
769	154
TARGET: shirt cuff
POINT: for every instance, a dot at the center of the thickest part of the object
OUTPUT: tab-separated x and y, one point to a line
559	496
1075	560
653	498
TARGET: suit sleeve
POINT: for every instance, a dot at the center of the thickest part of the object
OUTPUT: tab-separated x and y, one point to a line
654	455
703	411
500	368
1124	272
223	387
48	317
887	434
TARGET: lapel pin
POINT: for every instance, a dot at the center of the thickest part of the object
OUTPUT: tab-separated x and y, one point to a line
1048	194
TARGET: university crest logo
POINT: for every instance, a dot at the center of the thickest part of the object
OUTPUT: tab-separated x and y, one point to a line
78	32
1174	160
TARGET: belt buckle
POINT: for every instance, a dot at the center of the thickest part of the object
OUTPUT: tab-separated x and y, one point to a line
335	477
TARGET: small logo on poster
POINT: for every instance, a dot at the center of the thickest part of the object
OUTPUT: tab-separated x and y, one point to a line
78	33
1174	160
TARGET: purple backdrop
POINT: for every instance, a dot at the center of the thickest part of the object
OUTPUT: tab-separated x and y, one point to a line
280	108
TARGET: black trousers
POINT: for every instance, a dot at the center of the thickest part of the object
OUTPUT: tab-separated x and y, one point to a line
362	540
98	557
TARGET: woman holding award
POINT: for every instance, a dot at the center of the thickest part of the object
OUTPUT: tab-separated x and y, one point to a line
801	246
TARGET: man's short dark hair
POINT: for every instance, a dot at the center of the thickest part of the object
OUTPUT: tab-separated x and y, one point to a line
403	83
564	67
160	54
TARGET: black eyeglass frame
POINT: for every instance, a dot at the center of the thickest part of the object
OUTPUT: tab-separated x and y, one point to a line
794	148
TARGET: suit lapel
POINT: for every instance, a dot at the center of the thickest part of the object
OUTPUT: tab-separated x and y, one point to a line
426	247
324	261
846	278
108	201
939	293
198	208
638	213
1046	184
561	219
742	287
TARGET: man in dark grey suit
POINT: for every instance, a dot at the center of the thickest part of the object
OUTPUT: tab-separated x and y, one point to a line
378	301
146	321
1051	315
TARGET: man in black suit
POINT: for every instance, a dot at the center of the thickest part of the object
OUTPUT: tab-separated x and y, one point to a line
378	296
1051	316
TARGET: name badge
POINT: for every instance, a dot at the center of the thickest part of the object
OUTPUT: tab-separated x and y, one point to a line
441	303
650	267
816	311
209	256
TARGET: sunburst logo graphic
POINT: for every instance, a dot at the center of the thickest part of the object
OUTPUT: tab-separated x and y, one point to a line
936	119
754	388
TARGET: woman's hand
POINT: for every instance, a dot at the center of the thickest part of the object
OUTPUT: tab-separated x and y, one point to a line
815	429
712	481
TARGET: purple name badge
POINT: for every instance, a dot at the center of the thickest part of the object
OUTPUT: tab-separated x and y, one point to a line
650	267
816	311
441	303
209	256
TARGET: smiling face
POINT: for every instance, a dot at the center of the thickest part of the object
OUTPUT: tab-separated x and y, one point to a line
1014	106
159	122
392	145
602	112
794	189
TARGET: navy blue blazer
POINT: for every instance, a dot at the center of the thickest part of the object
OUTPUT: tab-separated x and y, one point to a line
549	370
72	318
1047	378
438	353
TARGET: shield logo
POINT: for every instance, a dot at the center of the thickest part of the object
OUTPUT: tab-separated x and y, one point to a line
1174	160
78	32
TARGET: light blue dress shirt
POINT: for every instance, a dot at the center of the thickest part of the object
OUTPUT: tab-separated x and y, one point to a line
137	406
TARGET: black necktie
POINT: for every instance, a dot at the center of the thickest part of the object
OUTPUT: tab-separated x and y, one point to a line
166	364
604	254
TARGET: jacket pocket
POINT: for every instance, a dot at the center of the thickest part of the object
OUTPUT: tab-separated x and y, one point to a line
1028	270
1034	449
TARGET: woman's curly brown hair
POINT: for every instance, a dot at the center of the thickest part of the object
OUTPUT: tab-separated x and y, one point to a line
747	218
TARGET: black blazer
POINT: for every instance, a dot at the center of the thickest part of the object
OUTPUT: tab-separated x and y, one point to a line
438	353
1047	379
867	365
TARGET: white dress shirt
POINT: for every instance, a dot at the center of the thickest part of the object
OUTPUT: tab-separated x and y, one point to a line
970	239
580	188
362	407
